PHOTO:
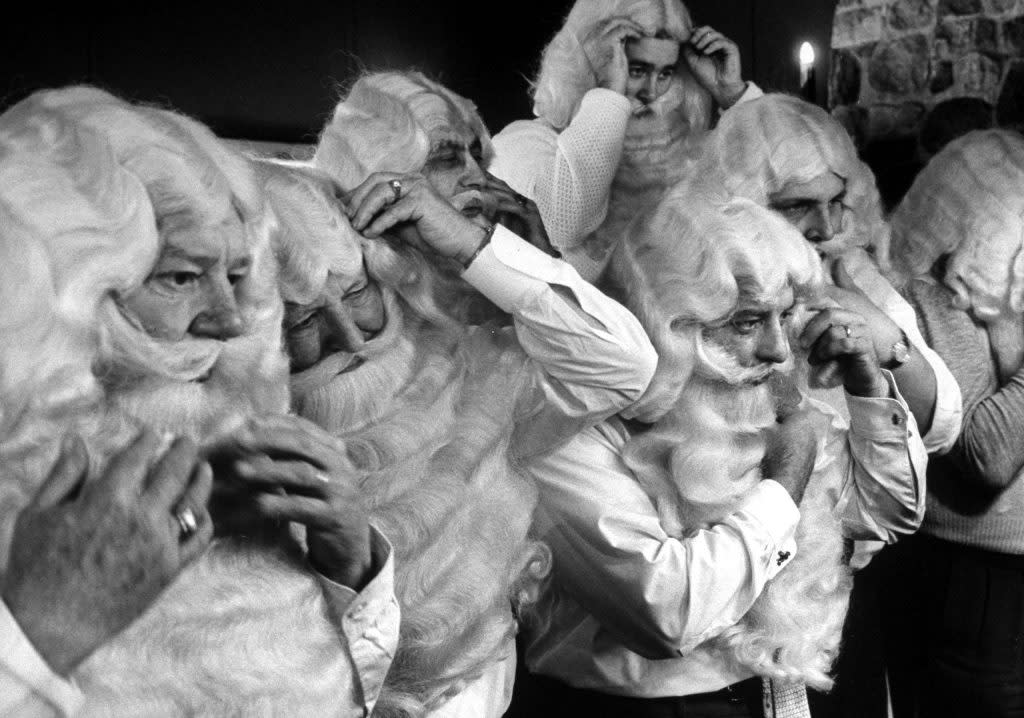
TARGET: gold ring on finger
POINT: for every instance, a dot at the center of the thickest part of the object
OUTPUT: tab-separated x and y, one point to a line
187	522
396	187
846	328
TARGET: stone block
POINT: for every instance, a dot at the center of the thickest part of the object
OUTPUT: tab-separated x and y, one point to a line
1000	7
942	77
856	27
959	7
895	120
1010	105
845	78
900	66
911	14
964	35
977	74
1013	36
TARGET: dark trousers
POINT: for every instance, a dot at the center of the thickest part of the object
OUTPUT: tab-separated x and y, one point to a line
954	630
540	697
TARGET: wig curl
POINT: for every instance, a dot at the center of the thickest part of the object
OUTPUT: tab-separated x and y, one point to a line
962	222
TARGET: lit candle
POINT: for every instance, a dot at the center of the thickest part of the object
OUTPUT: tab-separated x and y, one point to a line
807	75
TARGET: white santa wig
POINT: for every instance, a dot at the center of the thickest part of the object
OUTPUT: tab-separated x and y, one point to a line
384	122
962	222
76	227
185	169
566	72
763	146
685	266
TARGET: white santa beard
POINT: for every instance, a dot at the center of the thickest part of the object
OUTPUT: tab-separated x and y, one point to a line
427	416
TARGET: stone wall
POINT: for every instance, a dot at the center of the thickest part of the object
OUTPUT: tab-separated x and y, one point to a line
927	69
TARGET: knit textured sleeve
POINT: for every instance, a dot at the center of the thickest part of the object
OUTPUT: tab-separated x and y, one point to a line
567	174
989	449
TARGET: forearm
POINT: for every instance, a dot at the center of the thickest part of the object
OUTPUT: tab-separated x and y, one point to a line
990	449
917	383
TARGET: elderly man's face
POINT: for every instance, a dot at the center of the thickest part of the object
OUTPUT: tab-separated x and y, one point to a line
652	65
755	339
816	208
454	165
194	289
348	312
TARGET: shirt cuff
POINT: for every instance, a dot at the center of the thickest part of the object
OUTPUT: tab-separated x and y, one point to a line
770	506
607	100
19	658
880	418
511	272
377	590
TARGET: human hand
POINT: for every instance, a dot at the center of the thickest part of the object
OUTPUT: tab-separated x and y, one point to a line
791	449
605	50
714	61
883	331
840	349
519	214
292	470
87	559
415	213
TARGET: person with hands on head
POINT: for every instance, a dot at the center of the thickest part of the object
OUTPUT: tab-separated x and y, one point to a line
621	87
699	546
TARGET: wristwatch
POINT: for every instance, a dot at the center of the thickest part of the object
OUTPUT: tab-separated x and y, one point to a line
899	353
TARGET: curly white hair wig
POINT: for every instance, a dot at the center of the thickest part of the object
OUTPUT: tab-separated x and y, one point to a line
963	223
383	125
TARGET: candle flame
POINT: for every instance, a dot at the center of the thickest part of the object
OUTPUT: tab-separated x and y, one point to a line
806	54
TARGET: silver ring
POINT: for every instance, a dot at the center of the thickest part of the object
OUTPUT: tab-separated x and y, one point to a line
186	522
846	328
396	187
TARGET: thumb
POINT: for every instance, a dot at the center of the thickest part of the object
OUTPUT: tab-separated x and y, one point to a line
841	275
67	473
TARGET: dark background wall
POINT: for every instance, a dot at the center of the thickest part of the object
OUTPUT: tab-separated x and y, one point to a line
273	73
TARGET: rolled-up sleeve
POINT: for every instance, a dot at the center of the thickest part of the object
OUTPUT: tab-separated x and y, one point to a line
659	595
591	356
28	686
368	621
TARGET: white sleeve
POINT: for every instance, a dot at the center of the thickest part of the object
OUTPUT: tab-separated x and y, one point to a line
368	621
28	686
592	357
568	174
882	461
660	596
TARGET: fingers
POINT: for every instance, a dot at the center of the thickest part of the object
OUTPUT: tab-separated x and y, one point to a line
376	199
67	474
355	198
171	474
127	470
707	41
841	276
290	437
823	321
295	477
195	498
402	211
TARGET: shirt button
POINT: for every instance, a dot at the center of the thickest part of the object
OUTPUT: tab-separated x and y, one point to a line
781	558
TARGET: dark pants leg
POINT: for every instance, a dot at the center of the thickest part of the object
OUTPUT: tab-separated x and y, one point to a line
955	631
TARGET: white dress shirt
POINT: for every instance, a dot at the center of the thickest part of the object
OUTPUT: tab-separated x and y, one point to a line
633	606
367	624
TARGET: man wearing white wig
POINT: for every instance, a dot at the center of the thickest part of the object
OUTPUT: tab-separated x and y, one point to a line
696	557
791	156
159	255
439	412
954	610
621	86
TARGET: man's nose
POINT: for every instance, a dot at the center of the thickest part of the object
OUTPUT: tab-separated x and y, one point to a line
773	346
343	332
649	90
820	225
220	319
474	176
